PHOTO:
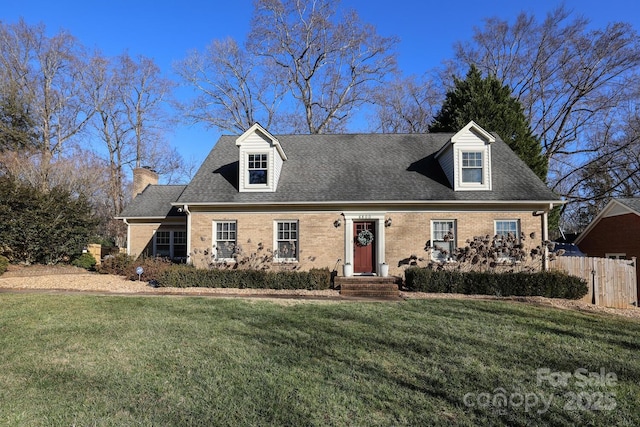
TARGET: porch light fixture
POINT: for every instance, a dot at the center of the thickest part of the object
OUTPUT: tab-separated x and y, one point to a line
387	222
337	223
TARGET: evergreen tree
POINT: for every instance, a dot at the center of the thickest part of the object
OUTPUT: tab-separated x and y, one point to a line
492	106
42	227
17	130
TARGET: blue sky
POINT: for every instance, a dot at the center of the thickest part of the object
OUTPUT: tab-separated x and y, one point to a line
166	30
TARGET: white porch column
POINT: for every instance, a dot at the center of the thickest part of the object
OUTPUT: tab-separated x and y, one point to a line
378	218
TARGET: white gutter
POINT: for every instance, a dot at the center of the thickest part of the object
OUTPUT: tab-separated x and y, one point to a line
139	217
552	203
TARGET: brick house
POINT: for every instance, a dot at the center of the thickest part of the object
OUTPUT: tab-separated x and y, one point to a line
326	200
602	239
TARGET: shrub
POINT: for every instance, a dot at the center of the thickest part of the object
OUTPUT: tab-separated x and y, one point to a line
86	261
547	284
42	227
116	264
4	264
153	268
184	276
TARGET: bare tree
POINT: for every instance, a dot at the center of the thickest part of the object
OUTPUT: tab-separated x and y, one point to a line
233	92
112	126
304	68
144	94
332	64
407	105
571	80
129	98
48	74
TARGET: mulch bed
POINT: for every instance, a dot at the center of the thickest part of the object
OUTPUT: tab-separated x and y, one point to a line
41	270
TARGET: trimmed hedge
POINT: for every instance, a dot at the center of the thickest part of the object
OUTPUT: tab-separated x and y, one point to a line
184	276
546	284
4	264
124	265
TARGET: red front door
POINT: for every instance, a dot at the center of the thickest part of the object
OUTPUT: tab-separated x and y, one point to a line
364	254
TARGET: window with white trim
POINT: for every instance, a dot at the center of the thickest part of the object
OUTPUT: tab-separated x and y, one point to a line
226	234
615	256
505	226
170	244
286	244
257	167
179	244
163	244
472	167
508	234
443	239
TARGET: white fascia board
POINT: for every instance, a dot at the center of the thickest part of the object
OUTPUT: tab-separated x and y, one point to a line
473	126
550	204
140	217
258	128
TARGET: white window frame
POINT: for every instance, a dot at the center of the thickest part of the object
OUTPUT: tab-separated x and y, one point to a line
615	255
464	149
266	169
172	243
473	167
435	253
517	232
278	237
216	240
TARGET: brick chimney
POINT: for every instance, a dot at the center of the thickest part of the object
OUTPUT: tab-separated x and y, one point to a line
142	177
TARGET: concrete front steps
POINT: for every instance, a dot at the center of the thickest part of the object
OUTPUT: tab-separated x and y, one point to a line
369	286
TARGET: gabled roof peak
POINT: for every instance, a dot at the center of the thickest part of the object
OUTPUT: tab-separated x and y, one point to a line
258	129
476	129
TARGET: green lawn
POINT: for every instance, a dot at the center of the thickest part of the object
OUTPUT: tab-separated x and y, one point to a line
167	361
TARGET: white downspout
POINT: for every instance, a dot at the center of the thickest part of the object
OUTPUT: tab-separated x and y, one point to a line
128	235
545	238
188	213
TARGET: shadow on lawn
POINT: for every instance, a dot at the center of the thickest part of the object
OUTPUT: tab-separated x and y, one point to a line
417	361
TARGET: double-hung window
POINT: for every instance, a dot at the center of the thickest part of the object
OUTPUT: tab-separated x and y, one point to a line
225	239
180	244
508	234
286	234
443	239
163	244
472	167
170	244
257	167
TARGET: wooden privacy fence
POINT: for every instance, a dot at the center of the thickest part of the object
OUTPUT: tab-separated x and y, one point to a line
99	251
612	282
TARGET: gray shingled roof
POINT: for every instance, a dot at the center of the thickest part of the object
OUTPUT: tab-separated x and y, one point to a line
155	201
361	168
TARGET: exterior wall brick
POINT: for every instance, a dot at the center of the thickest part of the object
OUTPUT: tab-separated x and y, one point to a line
322	244
141	238
142	177
410	232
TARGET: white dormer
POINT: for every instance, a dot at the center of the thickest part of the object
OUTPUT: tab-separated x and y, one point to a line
466	159
260	160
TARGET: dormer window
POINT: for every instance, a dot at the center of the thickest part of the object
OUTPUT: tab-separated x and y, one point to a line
472	167
260	160
466	159
257	165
